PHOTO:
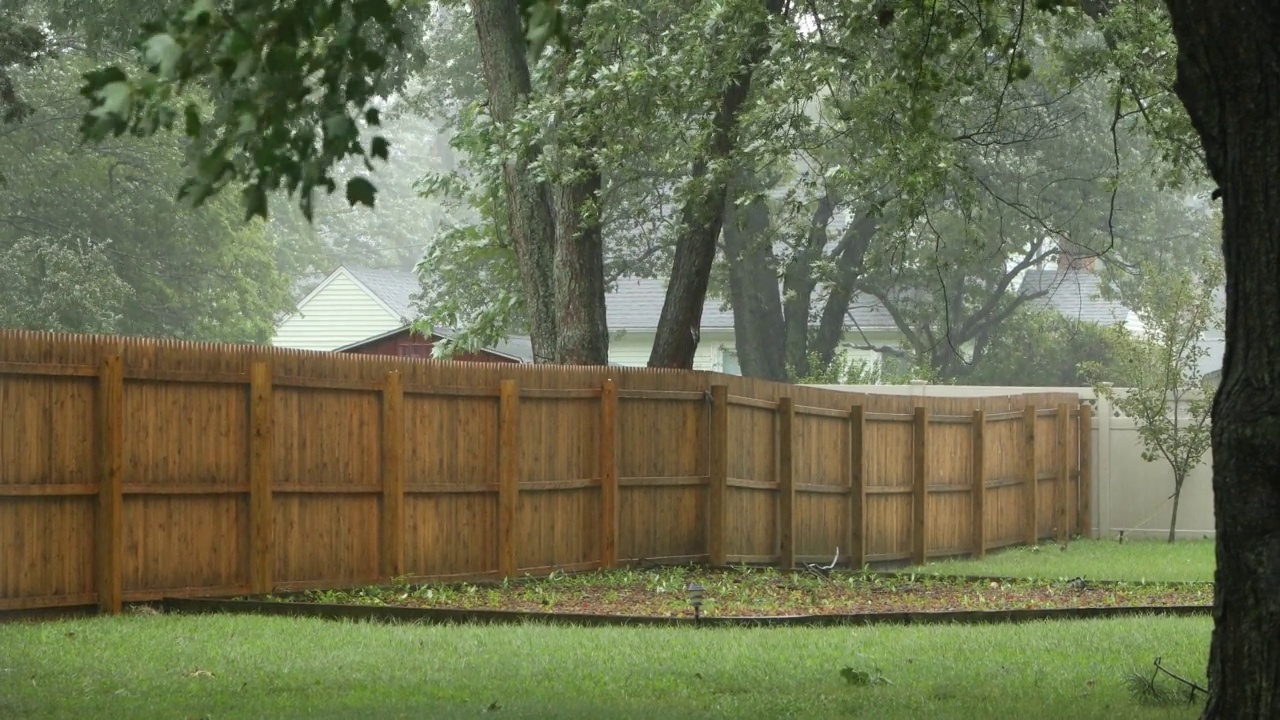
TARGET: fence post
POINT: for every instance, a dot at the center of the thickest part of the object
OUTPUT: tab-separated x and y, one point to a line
856	541
508	475
609	511
786	484
1029	472
979	502
718	469
1084	492
110	531
261	539
1106	418
1064	473
393	471
920	490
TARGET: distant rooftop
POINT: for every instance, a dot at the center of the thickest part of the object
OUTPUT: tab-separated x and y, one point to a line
1075	293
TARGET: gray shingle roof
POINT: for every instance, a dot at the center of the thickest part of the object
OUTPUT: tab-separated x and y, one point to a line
1075	293
396	288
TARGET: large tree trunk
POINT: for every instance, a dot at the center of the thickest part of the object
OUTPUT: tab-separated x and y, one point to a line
798	283
753	288
850	253
506	72
1229	79
680	325
582	336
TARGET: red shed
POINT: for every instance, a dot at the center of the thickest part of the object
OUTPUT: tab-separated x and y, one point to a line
405	342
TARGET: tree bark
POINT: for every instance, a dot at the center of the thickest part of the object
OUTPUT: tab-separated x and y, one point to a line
753	288
506	72
680	325
1229	80
798	283
849	256
1173	519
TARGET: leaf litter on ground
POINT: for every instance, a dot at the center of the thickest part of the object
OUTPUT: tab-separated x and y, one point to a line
761	592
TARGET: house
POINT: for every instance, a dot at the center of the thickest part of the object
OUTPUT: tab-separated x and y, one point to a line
1075	290
368	310
635	306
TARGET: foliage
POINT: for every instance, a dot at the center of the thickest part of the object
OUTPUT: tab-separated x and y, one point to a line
1038	347
92	239
286	77
1169	399
847	369
1103	559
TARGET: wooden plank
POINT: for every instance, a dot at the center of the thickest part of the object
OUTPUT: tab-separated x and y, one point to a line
25	368
1005	482
560	393
548	485
449	488
950	419
944	488
440	391
1031	518
821	489
889	490
261	512
979	502
60	490
1064	472
610	517
1086	470
718	480
1003	416
323	383
664	481
393	475
888	417
786	483
110	531
40	602
184	489
678	395
327	489
746	484
751	402
856	534
919	495
754	559
886	557
508	475
186	376
820	412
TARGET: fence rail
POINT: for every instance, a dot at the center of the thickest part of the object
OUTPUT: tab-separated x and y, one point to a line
134	469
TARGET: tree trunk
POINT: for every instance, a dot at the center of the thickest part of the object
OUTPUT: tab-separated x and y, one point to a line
798	283
506	72
582	331
849	256
1229	79
753	288
680	325
1173	519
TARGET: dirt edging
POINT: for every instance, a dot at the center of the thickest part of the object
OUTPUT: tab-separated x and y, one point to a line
437	616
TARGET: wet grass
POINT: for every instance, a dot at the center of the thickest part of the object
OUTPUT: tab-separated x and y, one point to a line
228	667
1105	559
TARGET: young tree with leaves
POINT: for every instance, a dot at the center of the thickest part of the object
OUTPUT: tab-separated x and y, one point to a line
1168	397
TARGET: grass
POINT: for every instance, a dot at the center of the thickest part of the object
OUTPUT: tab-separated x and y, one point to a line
223	667
1107	559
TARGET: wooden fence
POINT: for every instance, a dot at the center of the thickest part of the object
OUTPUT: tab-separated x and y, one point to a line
134	469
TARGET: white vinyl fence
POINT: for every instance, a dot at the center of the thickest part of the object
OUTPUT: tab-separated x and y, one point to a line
1130	495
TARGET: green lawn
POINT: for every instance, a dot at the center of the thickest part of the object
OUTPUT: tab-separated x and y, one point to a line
1155	560
220	667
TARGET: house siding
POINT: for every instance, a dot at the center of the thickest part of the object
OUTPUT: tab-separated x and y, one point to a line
632	349
338	314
